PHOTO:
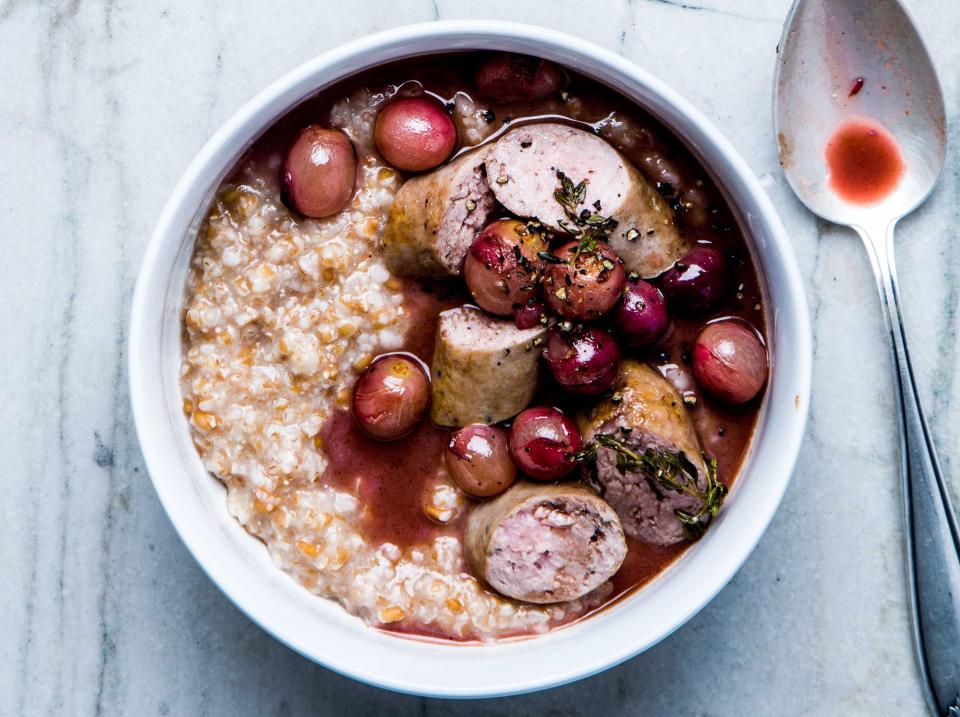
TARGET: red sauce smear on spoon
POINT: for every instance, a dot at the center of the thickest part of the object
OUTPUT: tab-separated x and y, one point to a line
864	160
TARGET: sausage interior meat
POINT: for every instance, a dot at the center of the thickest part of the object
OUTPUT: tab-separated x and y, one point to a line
545	543
475	345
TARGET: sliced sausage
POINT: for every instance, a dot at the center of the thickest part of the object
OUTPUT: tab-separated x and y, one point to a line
484	368
523	165
648	415
545	543
435	217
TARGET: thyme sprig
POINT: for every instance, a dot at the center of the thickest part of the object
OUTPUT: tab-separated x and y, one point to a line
587	227
672	470
696	523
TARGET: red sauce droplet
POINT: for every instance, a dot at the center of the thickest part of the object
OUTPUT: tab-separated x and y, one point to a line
856	86
864	161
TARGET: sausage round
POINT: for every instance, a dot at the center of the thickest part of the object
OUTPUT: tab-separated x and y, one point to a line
523	166
545	543
435	217
484	370
649	415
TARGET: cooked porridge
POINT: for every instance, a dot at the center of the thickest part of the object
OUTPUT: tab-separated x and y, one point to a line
284	313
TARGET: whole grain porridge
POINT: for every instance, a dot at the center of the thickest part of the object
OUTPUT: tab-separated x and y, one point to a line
284	314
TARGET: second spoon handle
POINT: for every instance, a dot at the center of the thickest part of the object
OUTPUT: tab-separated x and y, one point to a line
932	536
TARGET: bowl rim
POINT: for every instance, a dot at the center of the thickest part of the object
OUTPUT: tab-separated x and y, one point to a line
355	652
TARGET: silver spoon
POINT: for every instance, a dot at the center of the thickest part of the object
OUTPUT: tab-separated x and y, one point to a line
840	61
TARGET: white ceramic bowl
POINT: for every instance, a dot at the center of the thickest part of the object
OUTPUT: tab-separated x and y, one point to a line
320	629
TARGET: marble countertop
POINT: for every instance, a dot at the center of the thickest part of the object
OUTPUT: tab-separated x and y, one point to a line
103	611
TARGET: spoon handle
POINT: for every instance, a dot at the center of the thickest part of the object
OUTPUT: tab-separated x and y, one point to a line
932	536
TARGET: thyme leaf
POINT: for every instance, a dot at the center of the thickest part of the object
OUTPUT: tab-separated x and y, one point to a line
549	258
570	195
586	242
595	220
588	454
692	525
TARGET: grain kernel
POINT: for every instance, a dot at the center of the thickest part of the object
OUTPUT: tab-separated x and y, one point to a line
331	373
386	175
391	614
441	515
361	363
347	330
247	204
454	604
206	421
308	549
393	283
369	227
329	259
187	406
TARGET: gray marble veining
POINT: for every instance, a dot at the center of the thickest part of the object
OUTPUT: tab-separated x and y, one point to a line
103	104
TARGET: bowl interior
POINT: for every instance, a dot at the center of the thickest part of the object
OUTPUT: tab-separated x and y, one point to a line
319	628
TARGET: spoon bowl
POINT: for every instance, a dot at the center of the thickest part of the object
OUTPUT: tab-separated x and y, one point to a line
847	59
